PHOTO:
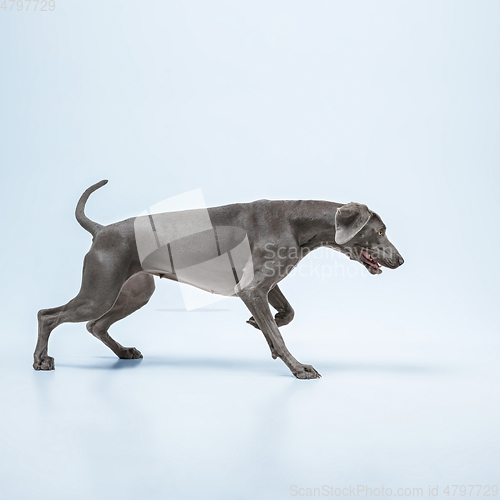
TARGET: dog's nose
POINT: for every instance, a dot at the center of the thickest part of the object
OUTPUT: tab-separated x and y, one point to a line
400	261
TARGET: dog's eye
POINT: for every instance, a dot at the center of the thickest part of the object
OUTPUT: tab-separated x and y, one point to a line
381	232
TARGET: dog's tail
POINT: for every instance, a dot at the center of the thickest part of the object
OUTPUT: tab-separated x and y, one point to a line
91	226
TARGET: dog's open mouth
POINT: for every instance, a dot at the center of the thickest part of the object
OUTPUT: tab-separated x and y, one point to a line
371	264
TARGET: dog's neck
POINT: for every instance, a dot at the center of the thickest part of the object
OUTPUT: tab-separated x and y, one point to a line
314	223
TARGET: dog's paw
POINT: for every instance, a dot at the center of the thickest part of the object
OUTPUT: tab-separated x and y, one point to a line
284	318
306	372
130	353
44	363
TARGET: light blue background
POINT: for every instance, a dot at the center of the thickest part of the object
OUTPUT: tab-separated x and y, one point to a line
392	104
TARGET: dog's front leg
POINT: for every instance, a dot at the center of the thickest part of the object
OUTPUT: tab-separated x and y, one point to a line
285	312
257	302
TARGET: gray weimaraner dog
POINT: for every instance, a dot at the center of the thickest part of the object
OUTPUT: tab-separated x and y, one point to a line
262	242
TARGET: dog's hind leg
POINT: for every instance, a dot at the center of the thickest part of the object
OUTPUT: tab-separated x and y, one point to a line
285	312
104	274
134	294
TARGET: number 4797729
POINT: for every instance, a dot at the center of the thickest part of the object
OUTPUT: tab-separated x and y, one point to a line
45	6
483	490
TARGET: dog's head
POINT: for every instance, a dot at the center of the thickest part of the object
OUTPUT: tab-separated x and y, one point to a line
362	235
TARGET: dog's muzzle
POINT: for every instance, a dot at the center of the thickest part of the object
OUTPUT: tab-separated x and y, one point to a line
374	261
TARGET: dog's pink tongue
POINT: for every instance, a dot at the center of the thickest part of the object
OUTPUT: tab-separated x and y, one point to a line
369	260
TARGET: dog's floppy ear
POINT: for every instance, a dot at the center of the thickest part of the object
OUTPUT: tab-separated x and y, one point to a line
349	220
